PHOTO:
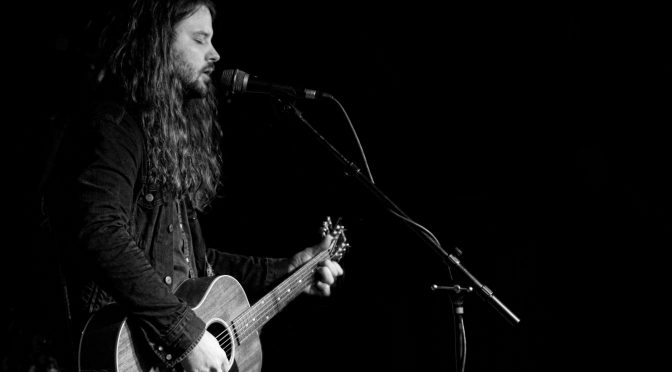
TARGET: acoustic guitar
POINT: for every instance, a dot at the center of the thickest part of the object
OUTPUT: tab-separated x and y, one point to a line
108	343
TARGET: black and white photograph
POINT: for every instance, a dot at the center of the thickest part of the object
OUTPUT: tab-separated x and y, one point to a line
205	185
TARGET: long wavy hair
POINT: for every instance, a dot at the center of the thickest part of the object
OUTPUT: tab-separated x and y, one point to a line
182	132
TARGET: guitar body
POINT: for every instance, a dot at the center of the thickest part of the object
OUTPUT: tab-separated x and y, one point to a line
109	344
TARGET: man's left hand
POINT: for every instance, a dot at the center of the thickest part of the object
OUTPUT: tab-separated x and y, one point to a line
326	272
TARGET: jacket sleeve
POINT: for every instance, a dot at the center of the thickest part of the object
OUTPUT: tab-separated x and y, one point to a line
104	192
255	274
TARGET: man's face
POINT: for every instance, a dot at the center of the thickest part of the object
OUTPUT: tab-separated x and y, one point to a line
194	55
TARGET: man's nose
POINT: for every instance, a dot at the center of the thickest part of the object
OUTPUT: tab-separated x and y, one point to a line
213	56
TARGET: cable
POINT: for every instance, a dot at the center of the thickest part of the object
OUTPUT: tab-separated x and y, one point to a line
425	230
464	344
354	132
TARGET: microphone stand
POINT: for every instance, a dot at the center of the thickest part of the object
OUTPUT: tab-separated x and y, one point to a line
448	258
458	310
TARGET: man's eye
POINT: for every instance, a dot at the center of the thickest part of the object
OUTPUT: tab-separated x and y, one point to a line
200	41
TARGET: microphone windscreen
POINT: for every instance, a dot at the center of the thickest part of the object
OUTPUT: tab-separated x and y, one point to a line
233	80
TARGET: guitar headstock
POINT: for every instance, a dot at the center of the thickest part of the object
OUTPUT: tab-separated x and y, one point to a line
340	243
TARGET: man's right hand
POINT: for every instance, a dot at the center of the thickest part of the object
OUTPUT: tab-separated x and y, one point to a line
207	356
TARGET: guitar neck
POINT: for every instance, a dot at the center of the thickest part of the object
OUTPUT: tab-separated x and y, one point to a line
272	303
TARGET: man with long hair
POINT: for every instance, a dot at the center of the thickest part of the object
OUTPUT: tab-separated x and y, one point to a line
131	179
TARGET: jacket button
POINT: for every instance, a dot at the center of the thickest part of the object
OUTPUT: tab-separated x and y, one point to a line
149	197
169	357
170	228
168	280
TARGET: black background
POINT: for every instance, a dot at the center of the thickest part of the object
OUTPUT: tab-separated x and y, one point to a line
532	137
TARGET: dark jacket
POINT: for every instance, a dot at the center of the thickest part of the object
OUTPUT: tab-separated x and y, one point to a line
117	234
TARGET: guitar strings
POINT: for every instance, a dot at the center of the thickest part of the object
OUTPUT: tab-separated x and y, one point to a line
248	329
301	275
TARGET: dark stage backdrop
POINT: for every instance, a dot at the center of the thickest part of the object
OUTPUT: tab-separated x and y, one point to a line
531	137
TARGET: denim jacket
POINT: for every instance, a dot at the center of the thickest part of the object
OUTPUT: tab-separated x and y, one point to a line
116	234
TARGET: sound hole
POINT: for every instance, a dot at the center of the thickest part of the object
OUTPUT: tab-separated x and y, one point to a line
221	332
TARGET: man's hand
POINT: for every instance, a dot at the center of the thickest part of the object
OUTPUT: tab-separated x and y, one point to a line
326	272
207	356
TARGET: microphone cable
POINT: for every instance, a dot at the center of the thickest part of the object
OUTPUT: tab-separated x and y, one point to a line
400	214
354	133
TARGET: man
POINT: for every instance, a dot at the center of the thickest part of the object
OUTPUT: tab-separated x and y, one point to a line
128	185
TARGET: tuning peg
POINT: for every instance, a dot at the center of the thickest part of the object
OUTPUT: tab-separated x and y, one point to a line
326	226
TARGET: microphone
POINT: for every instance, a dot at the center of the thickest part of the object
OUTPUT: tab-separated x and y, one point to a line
240	82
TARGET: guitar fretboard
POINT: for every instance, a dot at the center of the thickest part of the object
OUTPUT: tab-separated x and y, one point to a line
272	303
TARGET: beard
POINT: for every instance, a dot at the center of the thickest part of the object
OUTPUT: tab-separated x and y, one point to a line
188	77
